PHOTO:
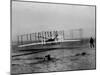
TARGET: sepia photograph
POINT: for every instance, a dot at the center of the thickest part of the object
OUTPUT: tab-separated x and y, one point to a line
52	37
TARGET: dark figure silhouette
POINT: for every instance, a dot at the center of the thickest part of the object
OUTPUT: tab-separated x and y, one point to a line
49	40
91	42
48	57
84	53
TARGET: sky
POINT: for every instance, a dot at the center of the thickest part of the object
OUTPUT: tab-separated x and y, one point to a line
29	17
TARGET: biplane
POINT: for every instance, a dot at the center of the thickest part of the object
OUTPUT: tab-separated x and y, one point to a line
54	42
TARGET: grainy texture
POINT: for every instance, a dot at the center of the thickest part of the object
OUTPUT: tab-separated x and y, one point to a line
62	60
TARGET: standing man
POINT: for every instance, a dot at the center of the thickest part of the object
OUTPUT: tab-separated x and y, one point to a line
91	42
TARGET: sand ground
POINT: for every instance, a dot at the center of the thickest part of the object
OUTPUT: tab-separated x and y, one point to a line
62	60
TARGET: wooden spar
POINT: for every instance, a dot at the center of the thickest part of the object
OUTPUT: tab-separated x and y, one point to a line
63	35
44	35
21	39
47	34
30	37
39	35
54	33
18	40
35	36
27	36
50	34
